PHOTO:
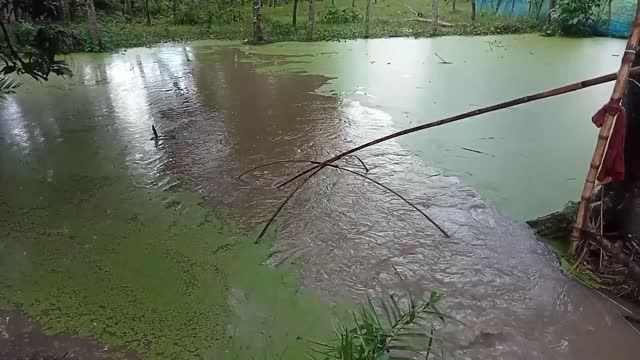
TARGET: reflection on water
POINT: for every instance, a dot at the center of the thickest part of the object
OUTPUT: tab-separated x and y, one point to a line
227	117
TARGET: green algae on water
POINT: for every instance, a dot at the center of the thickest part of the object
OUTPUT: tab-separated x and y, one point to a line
169	282
91	245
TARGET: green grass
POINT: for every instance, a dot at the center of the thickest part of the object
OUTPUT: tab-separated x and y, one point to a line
388	19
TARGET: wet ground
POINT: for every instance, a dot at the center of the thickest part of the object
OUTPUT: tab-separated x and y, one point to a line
94	207
22	337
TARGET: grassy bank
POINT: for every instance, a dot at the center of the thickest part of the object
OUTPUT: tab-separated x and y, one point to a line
388	19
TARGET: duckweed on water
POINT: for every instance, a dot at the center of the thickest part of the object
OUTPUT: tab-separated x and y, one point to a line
120	266
88	250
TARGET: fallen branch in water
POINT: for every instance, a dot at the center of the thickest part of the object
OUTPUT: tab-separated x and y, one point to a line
476	151
442	60
312	171
440	22
420	17
272	219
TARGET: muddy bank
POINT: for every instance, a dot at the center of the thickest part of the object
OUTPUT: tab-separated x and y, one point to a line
22	338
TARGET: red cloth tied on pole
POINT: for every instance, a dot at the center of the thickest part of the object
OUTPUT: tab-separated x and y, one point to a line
612	168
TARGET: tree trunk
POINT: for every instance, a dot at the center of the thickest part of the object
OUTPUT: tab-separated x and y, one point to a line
294	15
333	3
453	6
66	12
473	10
367	17
552	4
312	20
353	3
258	32
93	23
128	16
174	9
434	12
146	11
206	9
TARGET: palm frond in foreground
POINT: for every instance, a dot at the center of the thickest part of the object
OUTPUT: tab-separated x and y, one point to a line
394	331
7	86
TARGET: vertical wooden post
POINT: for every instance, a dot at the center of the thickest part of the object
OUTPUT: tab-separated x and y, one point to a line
604	134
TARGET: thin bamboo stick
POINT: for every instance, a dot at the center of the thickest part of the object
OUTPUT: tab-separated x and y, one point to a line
605	132
264	230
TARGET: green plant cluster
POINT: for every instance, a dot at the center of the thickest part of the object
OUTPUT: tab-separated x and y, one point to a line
575	17
340	16
393	332
192	13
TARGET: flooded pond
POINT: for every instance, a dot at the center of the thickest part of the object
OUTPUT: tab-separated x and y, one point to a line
149	246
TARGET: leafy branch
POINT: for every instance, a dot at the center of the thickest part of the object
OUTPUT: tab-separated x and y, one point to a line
8	86
388	333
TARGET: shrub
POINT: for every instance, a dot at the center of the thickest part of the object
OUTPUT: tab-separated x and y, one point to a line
575	17
277	30
340	16
227	15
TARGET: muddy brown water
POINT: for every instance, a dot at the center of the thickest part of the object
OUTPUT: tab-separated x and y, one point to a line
346	234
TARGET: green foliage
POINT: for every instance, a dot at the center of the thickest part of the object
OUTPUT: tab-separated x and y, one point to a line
340	16
31	50
388	333
575	17
281	31
193	13
228	15
189	14
7	86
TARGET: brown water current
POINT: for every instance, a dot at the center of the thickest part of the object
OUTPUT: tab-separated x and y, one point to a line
223	117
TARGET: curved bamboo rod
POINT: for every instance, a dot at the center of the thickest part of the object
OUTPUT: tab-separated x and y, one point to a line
604	134
313	170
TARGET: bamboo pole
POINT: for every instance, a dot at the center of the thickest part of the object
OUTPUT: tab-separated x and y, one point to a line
525	99
605	133
312	171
